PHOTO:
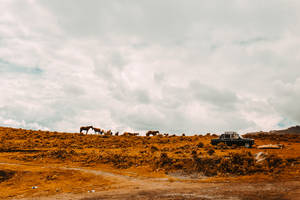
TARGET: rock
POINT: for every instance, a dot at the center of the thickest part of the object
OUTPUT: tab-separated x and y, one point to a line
270	146
260	156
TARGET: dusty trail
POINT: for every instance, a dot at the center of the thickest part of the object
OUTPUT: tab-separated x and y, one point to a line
125	183
120	178
128	187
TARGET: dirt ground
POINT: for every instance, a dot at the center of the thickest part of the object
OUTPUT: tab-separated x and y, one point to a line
205	191
155	188
50	165
176	187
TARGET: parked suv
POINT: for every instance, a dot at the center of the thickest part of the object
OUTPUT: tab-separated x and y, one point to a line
230	138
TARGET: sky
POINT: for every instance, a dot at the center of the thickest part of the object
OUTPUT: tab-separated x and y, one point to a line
175	66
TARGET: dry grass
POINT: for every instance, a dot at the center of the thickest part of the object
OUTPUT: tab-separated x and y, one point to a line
48	181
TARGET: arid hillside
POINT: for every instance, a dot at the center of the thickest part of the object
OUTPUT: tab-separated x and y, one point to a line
294	130
47	154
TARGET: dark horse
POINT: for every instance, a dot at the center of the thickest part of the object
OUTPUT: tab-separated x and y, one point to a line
98	130
85	128
154	133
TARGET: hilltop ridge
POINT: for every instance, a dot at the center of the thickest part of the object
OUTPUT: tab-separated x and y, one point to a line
294	130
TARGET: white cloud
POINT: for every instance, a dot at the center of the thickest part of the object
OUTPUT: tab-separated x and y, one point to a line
197	66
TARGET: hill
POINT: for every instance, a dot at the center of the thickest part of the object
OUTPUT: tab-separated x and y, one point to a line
295	130
54	160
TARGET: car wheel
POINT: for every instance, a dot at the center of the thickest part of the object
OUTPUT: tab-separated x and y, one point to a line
247	145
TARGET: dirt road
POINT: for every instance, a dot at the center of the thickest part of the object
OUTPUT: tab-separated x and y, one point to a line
201	191
139	188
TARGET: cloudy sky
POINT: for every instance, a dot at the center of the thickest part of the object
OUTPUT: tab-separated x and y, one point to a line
176	66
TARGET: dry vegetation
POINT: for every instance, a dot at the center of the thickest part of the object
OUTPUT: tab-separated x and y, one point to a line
143	155
21	181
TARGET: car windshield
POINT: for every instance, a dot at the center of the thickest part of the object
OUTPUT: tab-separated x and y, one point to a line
235	136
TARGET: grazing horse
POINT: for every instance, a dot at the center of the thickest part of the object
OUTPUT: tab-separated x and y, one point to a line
98	130
154	133
130	134
117	133
107	133
85	128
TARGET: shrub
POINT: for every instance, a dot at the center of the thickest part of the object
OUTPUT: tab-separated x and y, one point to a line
221	145
6	174
200	145
153	149
211	152
164	161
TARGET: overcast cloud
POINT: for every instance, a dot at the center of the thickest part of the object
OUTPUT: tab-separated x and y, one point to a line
133	65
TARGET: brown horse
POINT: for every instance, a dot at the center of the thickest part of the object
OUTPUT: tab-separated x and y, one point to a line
85	128
107	133
98	130
130	134
154	133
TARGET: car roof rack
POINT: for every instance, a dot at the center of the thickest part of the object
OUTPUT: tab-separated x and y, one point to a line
230	132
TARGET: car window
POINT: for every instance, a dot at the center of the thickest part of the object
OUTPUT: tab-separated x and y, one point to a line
227	136
235	136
